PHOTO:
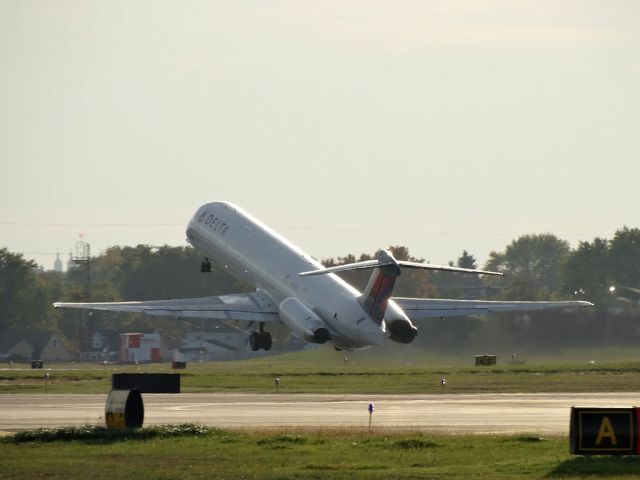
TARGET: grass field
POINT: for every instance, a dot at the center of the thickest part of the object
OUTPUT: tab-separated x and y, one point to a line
306	455
324	371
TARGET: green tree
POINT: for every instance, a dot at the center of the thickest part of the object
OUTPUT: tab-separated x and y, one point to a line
533	262
23	298
459	285
624	257
586	271
467	261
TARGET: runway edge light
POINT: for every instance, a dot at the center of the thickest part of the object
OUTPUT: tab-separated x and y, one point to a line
604	431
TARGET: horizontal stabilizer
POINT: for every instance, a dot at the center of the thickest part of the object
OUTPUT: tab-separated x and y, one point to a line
343	268
446	268
384	261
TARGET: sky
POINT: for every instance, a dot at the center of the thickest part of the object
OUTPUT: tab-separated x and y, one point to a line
345	125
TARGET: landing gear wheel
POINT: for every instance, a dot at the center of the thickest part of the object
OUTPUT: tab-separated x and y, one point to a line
255	341
266	341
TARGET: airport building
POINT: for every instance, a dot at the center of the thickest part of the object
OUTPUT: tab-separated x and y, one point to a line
142	348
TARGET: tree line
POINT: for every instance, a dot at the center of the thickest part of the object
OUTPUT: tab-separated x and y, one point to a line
537	267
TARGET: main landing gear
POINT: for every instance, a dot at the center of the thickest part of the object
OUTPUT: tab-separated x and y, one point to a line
260	339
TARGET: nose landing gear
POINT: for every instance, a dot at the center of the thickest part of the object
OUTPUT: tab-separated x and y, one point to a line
205	266
260	339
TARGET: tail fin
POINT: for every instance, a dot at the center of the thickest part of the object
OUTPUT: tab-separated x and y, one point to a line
376	295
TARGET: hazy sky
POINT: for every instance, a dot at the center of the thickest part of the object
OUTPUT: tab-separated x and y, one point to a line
345	125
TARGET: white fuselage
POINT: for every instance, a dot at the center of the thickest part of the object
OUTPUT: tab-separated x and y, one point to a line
258	256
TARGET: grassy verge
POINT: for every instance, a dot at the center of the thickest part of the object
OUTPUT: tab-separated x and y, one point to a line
313	372
213	453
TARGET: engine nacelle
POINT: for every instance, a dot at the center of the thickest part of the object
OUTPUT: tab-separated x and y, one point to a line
303	322
401	330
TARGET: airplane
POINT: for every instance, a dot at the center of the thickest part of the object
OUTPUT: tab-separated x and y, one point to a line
296	290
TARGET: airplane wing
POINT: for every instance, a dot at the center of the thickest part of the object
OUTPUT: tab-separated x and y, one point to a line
253	307
630	289
418	308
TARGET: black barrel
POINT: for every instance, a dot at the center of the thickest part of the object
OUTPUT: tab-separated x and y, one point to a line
124	409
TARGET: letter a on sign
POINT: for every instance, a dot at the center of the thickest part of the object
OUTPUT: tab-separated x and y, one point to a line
606	431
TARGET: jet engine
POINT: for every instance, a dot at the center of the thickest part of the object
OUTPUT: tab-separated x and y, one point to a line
399	327
401	330
303	322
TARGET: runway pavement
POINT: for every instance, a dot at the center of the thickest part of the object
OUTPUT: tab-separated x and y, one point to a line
479	413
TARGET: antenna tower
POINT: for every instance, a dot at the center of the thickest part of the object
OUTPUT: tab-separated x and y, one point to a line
82	259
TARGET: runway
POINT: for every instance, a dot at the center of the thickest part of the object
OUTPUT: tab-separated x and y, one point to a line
441	413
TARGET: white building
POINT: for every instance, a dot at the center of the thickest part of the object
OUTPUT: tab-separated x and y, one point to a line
142	347
57	263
